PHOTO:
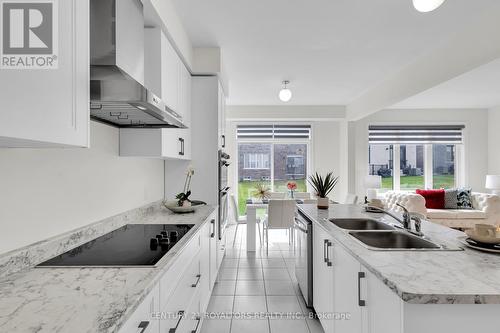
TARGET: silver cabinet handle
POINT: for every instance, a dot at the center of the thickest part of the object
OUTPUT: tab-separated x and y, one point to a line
198	320
299	227
142	326
181	152
328	245
173	329
212	235
194	285
324	250
361	302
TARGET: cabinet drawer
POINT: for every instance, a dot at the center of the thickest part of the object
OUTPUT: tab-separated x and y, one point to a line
191	323
173	276
180	299
142	320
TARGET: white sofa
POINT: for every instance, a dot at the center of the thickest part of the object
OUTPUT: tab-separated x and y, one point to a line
486	209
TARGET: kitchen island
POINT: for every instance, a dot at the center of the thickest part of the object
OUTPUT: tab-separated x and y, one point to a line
400	291
93	299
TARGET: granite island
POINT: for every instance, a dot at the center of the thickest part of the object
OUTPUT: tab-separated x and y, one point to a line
400	291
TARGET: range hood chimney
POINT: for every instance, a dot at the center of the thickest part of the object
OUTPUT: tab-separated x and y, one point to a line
117	92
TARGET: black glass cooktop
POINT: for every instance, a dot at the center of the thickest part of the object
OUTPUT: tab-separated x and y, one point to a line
130	245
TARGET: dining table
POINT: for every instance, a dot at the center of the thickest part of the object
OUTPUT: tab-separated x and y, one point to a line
252	206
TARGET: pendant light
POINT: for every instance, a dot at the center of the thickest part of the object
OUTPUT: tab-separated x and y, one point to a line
425	6
285	94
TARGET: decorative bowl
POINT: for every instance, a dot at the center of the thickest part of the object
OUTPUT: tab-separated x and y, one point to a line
174	207
482	239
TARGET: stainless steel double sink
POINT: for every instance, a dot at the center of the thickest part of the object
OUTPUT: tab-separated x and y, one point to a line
376	235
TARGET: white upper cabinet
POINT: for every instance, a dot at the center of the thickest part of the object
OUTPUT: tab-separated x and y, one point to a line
166	75
46	103
170	73
222	118
164	143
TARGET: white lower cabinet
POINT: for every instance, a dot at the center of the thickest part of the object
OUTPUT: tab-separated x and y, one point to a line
346	296
176	304
165	143
323	278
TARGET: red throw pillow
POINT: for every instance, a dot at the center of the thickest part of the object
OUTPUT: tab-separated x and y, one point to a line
434	199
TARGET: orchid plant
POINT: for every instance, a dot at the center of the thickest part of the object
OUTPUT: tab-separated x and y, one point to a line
183	197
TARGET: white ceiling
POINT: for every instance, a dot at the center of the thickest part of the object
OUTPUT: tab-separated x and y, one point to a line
479	88
331	50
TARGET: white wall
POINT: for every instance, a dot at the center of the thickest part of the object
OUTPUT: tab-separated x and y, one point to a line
328	154
494	141
475	146
45	192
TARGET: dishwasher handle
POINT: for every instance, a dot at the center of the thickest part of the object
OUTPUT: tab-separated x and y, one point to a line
299	227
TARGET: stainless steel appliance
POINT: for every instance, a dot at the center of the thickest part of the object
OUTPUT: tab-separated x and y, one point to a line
303	257
223	192
117	93
133	245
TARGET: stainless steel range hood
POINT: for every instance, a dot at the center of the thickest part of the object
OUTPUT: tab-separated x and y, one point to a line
117	92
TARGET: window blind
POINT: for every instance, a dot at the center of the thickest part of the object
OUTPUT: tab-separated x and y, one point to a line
415	134
274	131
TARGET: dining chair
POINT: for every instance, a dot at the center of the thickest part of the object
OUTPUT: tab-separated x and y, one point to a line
276	195
351	199
302	195
242	219
280	215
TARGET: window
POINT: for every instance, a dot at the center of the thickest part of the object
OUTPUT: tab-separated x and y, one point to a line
256	161
414	161
271	155
411	167
380	160
443	166
290	165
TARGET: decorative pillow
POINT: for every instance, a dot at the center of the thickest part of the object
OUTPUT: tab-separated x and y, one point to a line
451	199
434	199
464	198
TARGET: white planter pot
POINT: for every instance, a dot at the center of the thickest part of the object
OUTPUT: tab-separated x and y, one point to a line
323	203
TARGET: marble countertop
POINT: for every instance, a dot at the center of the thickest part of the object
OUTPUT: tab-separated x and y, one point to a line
86	299
420	277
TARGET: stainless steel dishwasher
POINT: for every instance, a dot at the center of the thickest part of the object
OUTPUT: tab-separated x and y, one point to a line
303	257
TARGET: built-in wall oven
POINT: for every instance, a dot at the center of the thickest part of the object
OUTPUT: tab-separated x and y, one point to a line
223	192
303	256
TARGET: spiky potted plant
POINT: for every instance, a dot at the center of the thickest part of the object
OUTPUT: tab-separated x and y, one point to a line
322	186
261	191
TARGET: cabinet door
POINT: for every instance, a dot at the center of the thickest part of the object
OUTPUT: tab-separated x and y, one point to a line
205	286
185	136
384	309
184	107
347	292
172	144
213	251
323	278
49	106
169	74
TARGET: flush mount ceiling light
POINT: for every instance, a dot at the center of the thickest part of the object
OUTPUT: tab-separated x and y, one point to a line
285	94
425	6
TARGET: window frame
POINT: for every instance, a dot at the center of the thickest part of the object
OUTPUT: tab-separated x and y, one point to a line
428	166
272	142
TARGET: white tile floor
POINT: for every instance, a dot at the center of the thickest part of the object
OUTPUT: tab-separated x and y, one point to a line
261	286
